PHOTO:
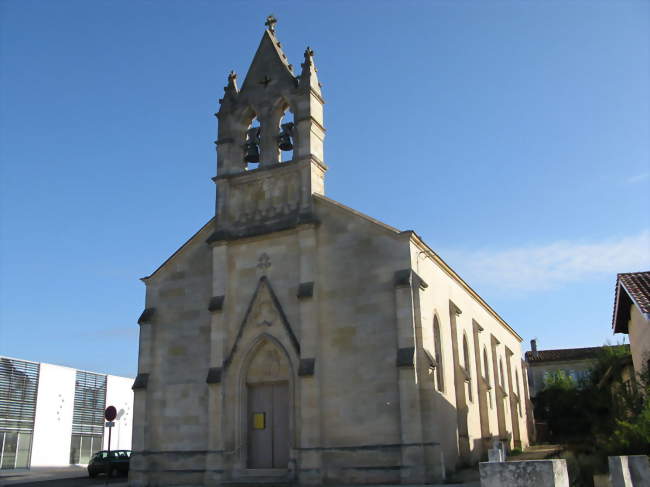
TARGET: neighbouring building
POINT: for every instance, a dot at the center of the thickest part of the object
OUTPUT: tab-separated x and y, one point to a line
295	339
632	315
574	362
54	416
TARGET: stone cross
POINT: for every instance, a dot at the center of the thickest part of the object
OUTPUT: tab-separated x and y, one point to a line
264	262
270	23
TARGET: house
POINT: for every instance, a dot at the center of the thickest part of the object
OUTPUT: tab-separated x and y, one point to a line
632	315
574	362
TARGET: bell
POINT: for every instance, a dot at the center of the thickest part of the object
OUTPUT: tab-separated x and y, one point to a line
284	142
252	153
284	139
252	150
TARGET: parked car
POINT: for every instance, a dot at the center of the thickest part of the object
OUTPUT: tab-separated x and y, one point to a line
114	462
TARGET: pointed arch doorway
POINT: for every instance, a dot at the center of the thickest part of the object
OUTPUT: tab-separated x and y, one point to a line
267	408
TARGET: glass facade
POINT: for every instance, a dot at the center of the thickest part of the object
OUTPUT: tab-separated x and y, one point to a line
87	416
18	390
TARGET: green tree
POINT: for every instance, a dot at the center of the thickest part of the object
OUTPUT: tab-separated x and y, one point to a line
559	404
630	432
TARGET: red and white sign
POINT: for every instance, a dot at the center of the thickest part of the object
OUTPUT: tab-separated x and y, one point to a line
110	413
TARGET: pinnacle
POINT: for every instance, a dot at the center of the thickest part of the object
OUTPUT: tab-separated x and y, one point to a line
230	90
308	76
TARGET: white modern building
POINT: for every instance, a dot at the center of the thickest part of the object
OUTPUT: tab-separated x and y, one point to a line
54	416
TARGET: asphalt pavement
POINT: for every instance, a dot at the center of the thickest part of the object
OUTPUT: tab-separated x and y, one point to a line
73	482
78	477
56	477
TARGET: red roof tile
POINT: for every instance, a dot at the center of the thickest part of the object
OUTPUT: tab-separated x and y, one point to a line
563	354
637	285
631	287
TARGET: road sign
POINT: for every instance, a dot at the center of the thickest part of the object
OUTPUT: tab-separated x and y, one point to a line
110	413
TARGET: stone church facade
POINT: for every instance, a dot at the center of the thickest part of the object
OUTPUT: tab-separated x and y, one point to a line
293	339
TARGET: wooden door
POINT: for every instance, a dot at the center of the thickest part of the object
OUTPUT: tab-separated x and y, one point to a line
268	425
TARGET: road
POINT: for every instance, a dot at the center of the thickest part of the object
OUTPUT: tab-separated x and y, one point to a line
70	482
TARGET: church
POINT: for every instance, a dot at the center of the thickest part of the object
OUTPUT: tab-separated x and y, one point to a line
294	340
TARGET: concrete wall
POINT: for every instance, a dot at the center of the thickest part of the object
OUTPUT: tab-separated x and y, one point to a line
531	473
639	333
120	395
53	420
54	410
629	471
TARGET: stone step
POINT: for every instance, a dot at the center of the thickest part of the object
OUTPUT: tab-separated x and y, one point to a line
252	482
273	479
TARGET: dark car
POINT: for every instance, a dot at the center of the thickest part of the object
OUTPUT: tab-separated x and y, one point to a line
111	463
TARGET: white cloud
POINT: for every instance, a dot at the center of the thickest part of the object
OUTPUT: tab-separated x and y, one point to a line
544	267
639	178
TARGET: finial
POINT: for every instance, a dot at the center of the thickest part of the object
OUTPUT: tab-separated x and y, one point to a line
231	89
270	23
308	77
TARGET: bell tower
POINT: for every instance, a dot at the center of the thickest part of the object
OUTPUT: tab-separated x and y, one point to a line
275	113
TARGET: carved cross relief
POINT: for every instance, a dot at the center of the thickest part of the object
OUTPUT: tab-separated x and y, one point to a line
265	81
264	262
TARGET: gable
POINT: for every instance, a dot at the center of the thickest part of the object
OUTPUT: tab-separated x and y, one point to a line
631	288
199	238
269	69
264	312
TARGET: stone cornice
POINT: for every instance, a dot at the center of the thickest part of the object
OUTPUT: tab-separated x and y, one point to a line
418	242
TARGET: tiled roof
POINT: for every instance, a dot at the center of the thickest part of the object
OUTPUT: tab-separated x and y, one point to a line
563	354
631	287
637	285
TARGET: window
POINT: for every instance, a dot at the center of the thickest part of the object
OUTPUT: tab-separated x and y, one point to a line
486	372
438	351
252	146
468	371
518	391
87	416
286	137
18	389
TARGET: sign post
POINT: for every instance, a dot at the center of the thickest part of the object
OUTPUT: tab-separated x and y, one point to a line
110	414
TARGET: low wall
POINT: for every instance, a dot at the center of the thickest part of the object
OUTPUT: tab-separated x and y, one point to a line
531	473
629	471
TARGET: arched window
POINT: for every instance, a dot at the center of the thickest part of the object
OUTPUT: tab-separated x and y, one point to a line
437	343
503	384
286	137
467	368
486	373
252	146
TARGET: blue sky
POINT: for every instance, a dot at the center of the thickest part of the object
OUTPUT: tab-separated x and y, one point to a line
511	135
